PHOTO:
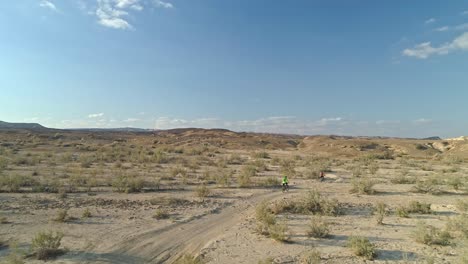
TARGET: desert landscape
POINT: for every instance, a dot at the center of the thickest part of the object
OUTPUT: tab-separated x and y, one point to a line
214	196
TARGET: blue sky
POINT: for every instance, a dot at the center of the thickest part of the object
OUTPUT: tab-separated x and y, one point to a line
388	68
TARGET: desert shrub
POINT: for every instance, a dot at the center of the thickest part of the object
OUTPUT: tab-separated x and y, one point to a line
222	176
160	157
455	182
45	245
268	260
318	228
260	165
362	247
356	171
86	161
288	167
362	186
178	171
3	164
311	203
270	182
429	235
264	218
261	155
245	177
235	159
373	168
61	216
189	259
427	186
311	257
459	225
402	211
127	184
86	213
419	208
14	257
380	210
279	231
402	179
161	214
202	192
453	160
462	206
3	220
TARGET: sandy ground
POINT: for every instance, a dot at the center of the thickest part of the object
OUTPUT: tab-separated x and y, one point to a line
222	228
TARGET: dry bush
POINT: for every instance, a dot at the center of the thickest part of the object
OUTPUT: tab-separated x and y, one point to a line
3	220
311	203
455	182
362	247
128	184
178	171
403	179
202	192
362	186
402	211
245	177
161	214
373	168
223	176
270	182
427	187
279	231
318	228
264	218
235	159
311	257
268	260
86	213
462	206
380	211
261	155
45	245
429	235
459	225
62	216
288	167
419	208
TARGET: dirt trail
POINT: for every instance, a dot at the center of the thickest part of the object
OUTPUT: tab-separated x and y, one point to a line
167	244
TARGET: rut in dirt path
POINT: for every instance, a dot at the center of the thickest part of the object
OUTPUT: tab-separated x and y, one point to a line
168	244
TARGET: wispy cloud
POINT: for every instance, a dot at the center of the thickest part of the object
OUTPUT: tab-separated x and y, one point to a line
422	121
441	29
96	115
461	27
464	13
160	3
425	50
116	13
430	20
131	120
48	4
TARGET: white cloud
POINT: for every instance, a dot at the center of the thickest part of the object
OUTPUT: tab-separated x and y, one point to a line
425	50
387	122
48	4
422	121
430	21
461	27
160	3
96	115
131	120
465	13
444	28
109	14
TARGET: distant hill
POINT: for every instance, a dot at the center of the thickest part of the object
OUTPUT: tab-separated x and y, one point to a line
6	125
432	138
119	129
